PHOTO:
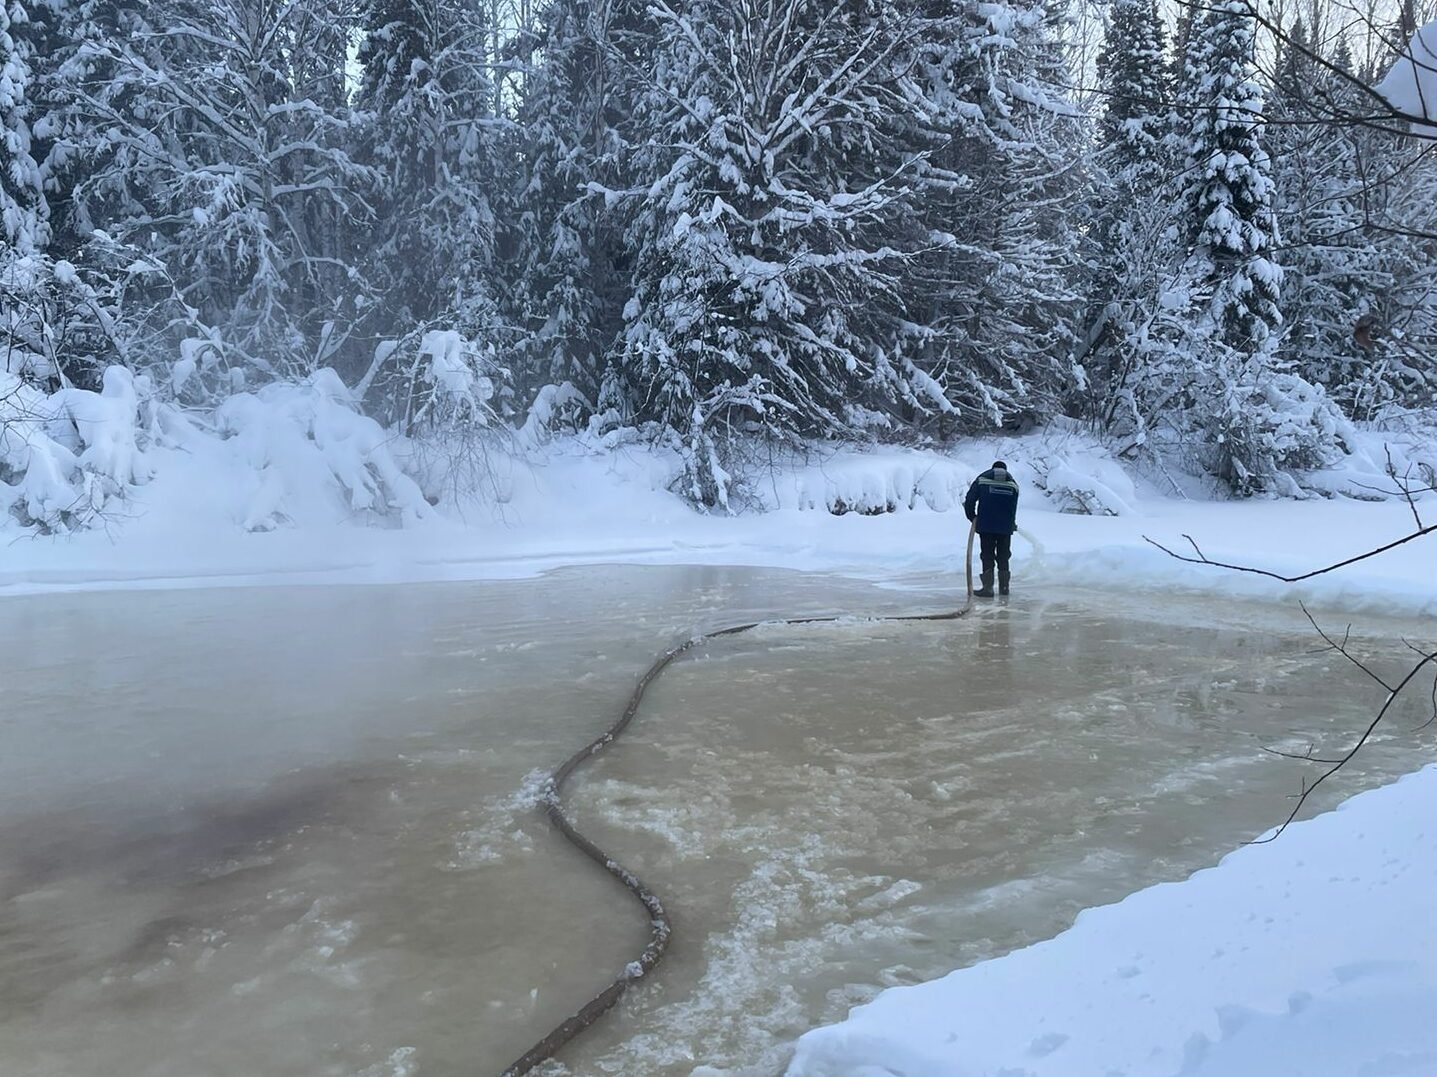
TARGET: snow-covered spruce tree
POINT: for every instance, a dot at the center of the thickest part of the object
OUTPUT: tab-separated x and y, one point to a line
26	337
769	247
576	119
1136	87
1258	421
998	187
24	214
94	188
1231	223
1133	241
432	133
62	28
217	165
75	294
64	452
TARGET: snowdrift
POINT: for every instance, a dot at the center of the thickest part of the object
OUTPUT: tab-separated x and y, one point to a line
302	454
288	453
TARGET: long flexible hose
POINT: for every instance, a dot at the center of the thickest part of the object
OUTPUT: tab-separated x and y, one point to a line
660	925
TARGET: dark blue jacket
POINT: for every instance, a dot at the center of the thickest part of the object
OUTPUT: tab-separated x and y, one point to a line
993	498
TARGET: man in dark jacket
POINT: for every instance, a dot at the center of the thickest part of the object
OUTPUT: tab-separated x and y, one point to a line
993	501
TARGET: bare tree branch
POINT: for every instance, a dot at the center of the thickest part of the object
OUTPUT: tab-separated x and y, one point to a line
1341	648
1425	659
1301	757
1335	765
1203	559
1404	485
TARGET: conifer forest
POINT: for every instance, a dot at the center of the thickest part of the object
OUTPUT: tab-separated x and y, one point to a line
727	228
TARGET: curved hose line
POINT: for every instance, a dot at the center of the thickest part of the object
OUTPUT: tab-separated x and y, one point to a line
660	924
968	557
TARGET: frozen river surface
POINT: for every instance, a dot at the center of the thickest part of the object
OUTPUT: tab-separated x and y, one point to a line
289	832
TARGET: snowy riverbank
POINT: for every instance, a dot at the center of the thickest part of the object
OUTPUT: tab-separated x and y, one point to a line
1311	955
570	505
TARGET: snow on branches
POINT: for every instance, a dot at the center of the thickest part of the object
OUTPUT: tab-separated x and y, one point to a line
1410	87
66	456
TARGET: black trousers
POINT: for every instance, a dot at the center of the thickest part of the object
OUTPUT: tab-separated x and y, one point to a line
995	548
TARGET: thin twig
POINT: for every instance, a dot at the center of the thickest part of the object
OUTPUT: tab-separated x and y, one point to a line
1308	790
1341	648
1203	559
1389	492
1425	659
1304	757
1403	485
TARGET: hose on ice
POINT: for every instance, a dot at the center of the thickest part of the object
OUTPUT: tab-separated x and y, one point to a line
660	925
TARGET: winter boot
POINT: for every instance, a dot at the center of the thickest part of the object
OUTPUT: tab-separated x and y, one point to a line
1003	578
986	591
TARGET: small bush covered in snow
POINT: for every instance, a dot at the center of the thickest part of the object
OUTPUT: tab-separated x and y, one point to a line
444	383
555	407
1085	482
310	436
1272	426
65	456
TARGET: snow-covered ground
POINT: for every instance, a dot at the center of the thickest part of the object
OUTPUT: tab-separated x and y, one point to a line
194	523
1315	955
1309	955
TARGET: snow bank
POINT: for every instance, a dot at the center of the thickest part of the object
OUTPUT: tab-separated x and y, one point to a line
1379	462
1315	954
73	458
277	487
1074	474
302	453
872	483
